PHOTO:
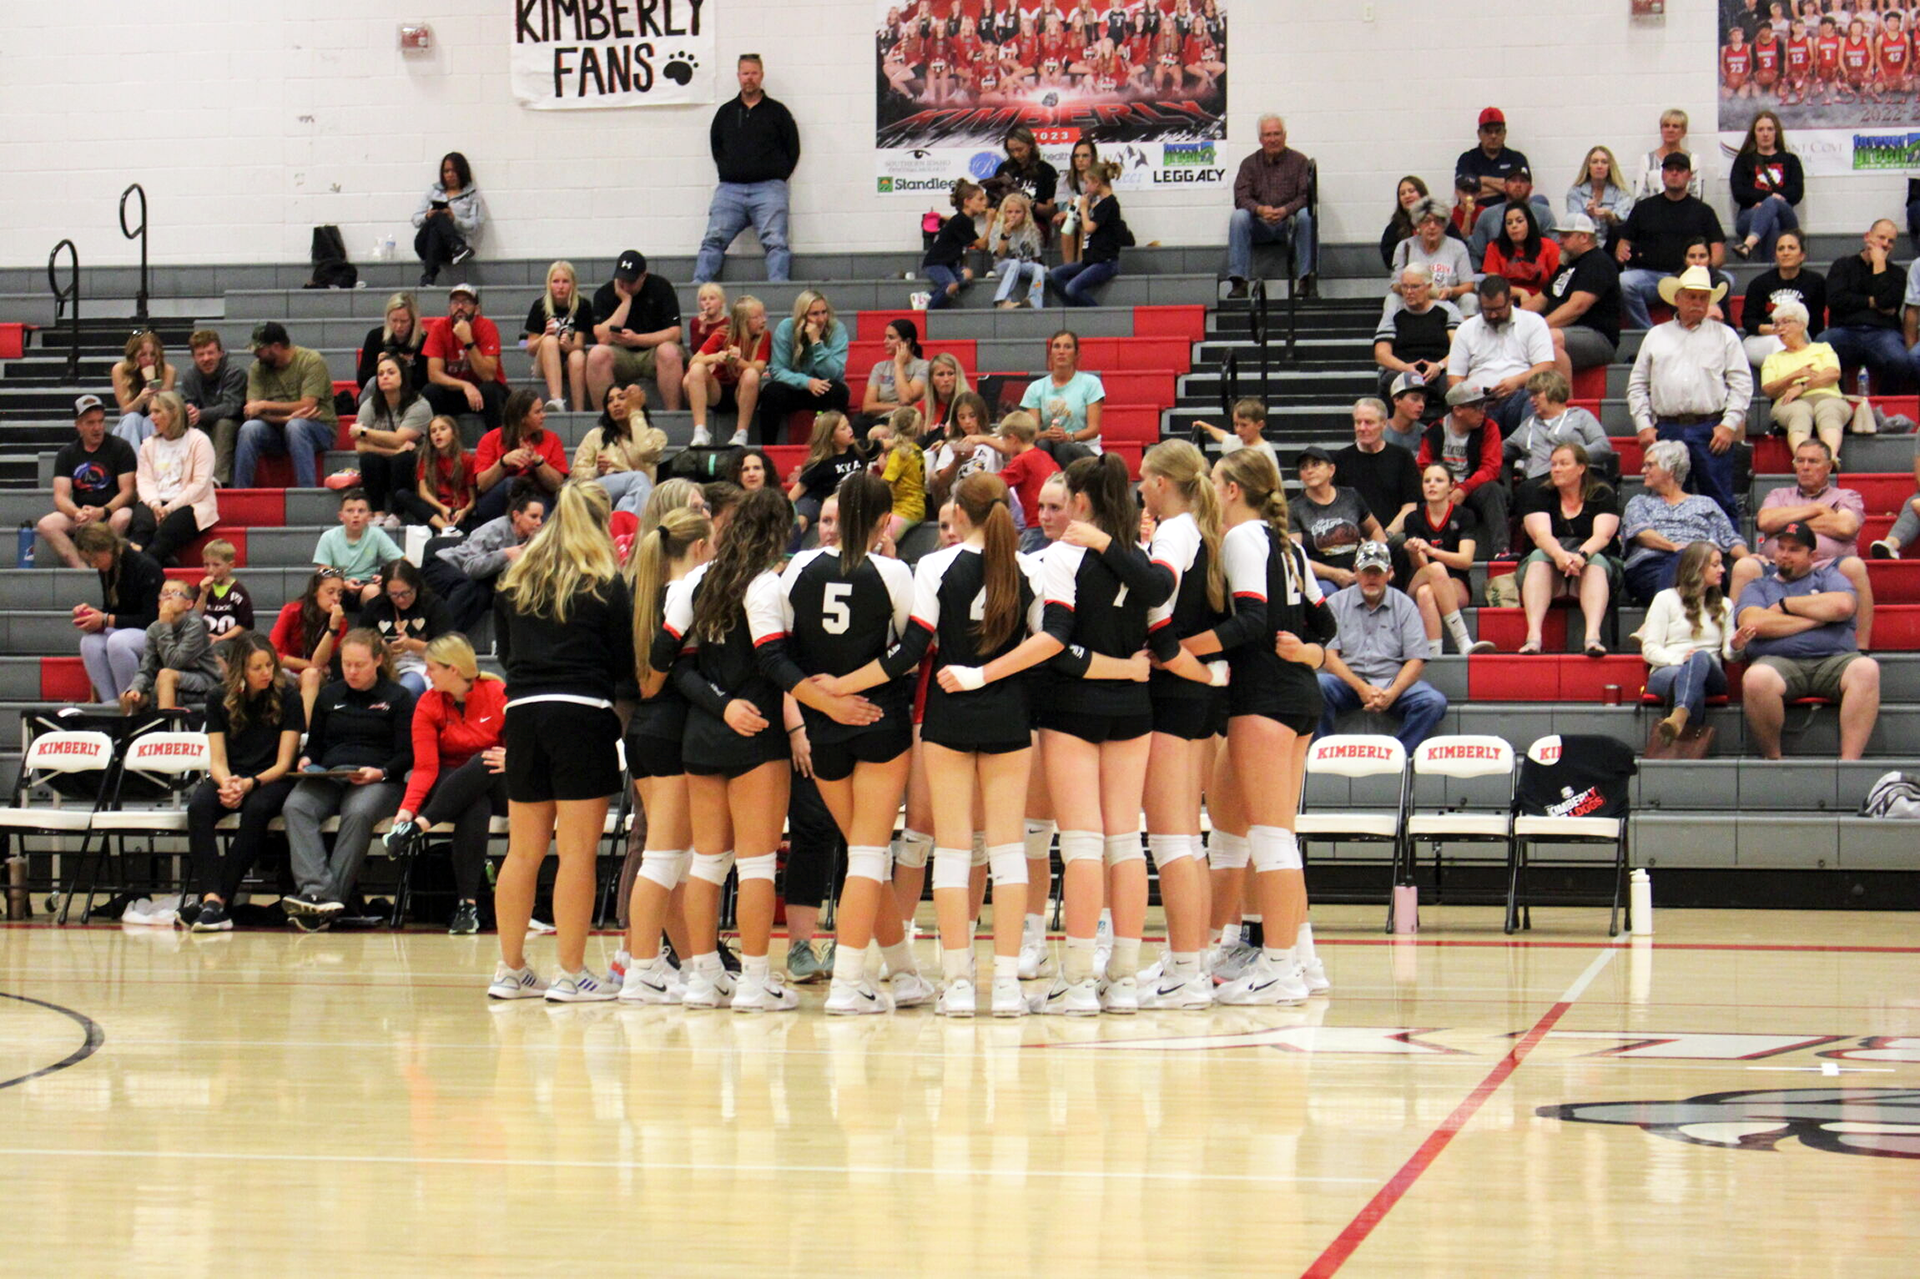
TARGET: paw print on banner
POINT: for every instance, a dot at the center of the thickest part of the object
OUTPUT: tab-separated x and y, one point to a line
680	67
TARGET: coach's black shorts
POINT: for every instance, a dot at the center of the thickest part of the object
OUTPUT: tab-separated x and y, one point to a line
561	751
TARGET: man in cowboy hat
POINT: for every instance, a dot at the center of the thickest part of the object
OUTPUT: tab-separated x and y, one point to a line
1691	382
1652	242
1864	295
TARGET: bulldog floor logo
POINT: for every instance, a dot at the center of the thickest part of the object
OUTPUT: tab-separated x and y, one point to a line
1844	1121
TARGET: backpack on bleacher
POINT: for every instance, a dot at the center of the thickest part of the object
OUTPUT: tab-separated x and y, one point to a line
1894	795
331	270
702	465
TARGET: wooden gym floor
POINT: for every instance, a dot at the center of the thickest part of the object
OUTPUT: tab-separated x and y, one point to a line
1739	1095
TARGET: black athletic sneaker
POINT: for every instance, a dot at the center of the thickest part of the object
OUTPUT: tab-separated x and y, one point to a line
212	919
729	958
310	923
466	920
189	911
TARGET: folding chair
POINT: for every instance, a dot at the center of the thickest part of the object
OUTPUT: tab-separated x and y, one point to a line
59	760
1561	828
1462	758
1355	755
173	762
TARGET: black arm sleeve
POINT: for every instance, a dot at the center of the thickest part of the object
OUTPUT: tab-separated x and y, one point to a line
1151	583
1248	625
1071	661
696	688
1163	643
778	665
906	655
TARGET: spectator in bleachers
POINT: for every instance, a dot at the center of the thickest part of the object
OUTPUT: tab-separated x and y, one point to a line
1489	163
555	337
113	637
223	602
464	574
407	616
1652	179
752	469
1767	184
1085	154
1408	396
137	378
946	383
403	336
254	722
1691	382
356	549
961	450
1490	224
1790	280
945	261
1067	402
1026	171
93	482
905	472
386	434
216	395
728	369
1376	660
364	722
711	310
622	452
1249	430
1271	194
174	483
809	368
1600	195
1518	251
1865	296
459	766
1406	198
1834	514
1906	527
464	370
1028	466
289	408
520	448
178	665
756	146
1498	350
308	630
1384	475
1442	539
1434	247
1019	251
636	332
1103	234
1688	636
443	496
899	377
1415	336
449	217
1802	378
834	453
1467	443
1661	522
1571	518
1330	522
1652	244
1551	423
1801	618
1581	300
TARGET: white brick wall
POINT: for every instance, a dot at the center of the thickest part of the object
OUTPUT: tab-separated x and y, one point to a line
249	123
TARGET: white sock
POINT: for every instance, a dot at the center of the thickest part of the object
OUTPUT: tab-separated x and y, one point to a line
1457	627
1006	968
899	957
1303	945
849	965
1125	961
1034	927
761	968
956	965
1279	957
1229	935
1079	965
1182	964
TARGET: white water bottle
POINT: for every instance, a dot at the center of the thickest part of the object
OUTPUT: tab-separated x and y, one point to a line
1640	903
387	249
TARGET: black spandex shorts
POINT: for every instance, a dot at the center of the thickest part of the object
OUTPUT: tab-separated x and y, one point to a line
727	771
1189	718
982	748
561	751
1090	727
649	756
834	761
1302	725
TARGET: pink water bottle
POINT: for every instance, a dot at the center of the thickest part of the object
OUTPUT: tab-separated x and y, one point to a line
1406	908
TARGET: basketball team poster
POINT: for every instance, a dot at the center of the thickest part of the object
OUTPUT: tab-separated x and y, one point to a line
1146	81
1841	77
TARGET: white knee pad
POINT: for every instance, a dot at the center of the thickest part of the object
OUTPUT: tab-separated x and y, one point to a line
867	863
911	849
1039	839
1080	846
761	867
979	848
1274	848
1167	849
666	866
1009	863
1124	848
1228	852
712	868
952	868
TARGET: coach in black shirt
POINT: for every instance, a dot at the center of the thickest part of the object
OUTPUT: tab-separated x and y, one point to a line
1652	243
755	146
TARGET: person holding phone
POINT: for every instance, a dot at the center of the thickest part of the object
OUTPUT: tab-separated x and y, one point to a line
449	218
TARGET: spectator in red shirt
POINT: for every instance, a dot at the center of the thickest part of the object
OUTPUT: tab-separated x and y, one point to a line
1029	466
464	373
520	446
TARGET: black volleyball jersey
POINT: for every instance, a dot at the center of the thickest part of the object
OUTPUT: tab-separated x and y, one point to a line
1097	604
1179	548
711	673
664	715
949	598
1273	590
814	619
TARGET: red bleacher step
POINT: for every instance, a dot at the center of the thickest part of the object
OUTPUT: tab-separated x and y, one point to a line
64	679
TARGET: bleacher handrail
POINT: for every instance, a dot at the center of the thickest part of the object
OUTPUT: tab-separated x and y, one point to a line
137	233
62	296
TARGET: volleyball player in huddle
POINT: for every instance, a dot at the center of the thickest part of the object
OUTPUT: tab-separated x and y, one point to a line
1036	956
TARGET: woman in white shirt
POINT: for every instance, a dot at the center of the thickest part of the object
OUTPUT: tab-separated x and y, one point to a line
174	481
1673	137
1688	636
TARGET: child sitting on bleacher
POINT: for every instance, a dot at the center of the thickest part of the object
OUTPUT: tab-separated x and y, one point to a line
905	471
223	602
445	495
356	549
179	664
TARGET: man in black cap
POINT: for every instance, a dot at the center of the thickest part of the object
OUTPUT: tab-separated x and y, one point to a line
1652	242
464	373
638	334
756	146
92	482
1797	629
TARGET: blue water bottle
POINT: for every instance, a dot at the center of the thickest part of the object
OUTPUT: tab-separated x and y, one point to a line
26	545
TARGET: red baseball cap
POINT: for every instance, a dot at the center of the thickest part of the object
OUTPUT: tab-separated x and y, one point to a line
1491	115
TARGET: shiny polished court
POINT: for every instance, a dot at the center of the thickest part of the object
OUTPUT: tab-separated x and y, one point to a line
1738	1095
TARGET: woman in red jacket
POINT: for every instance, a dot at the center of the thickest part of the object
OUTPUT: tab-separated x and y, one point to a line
458	766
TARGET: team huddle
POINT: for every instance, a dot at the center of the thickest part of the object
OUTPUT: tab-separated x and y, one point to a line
1003	695
1818	65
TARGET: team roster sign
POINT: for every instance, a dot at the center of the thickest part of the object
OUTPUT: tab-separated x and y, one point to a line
573	55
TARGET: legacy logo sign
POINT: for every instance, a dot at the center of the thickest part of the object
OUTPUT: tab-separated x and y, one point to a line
571	55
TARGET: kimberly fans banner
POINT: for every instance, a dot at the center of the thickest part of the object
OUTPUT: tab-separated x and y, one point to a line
1145	81
588	54
1842	82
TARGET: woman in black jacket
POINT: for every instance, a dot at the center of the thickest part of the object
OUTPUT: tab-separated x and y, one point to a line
114	637
1767	185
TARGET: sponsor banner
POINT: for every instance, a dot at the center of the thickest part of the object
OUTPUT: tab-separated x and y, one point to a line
1846	94
1146	82
574	55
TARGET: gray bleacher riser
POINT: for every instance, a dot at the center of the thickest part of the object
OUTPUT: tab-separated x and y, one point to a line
52	631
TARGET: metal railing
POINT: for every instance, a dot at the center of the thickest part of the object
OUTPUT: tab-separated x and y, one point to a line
62	295
1259	322
137	233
